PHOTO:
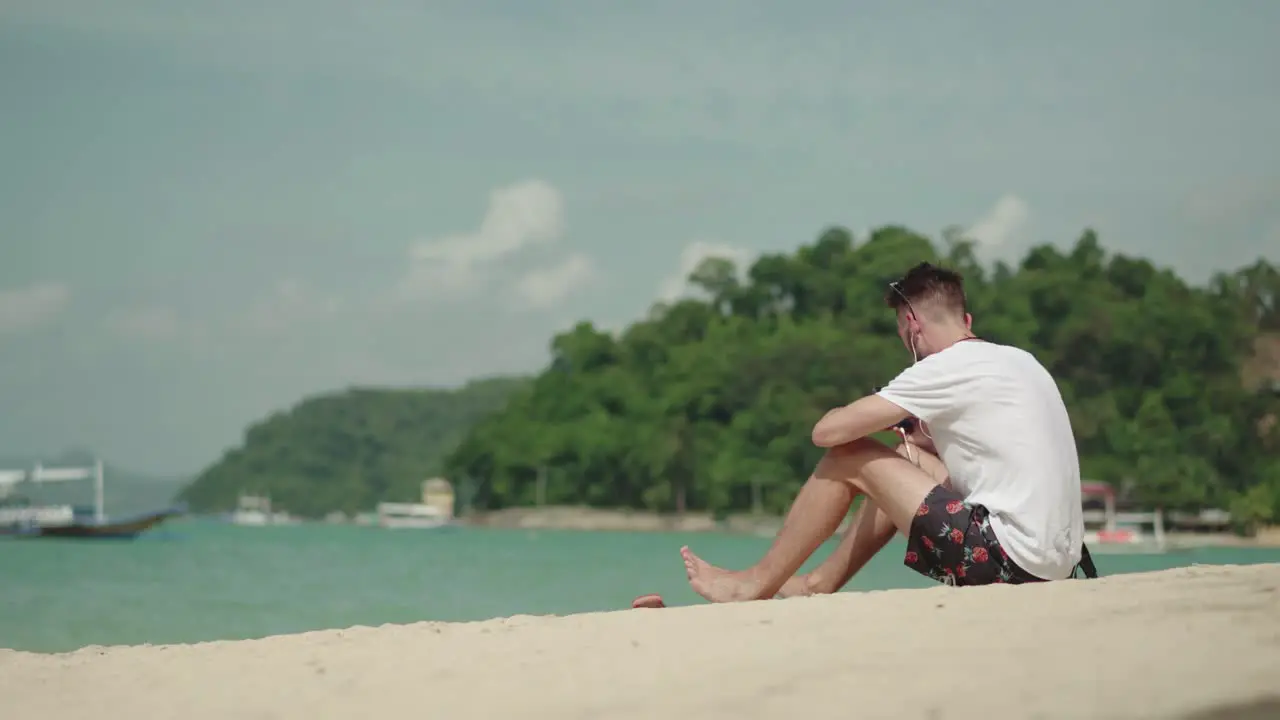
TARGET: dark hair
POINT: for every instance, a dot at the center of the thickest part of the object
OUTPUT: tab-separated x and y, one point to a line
927	285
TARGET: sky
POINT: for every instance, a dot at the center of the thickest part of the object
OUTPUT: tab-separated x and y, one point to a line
212	209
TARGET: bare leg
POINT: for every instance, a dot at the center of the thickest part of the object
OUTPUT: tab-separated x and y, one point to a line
868	533
814	516
894	485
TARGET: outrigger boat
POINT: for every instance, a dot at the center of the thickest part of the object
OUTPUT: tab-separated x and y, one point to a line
20	518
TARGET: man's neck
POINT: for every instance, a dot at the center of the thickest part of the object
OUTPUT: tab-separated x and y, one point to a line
944	336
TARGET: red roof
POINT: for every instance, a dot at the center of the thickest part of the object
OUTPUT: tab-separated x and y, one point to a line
1097	488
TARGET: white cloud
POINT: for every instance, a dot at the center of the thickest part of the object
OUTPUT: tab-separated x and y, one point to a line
31	306
147	323
677	284
1003	227
525	214
548	286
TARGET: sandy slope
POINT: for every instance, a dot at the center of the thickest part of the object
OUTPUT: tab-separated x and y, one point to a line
1168	644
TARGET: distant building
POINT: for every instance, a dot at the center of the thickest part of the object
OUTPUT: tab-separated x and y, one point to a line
438	493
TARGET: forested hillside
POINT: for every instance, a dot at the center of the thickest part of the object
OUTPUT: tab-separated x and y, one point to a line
347	451
706	398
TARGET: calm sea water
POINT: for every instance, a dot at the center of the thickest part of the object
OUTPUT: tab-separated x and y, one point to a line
197	580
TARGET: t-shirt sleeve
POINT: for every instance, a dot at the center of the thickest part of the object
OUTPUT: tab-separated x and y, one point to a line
930	388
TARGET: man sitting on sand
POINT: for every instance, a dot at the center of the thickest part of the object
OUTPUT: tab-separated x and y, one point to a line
985	485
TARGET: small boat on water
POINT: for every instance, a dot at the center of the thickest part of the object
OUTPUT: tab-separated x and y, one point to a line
256	510
85	526
434	511
19	518
416	516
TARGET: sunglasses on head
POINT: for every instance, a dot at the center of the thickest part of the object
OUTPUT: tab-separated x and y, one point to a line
896	288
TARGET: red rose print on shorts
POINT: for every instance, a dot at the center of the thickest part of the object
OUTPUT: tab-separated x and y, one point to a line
980	555
927	542
956	536
954	507
922	510
912	557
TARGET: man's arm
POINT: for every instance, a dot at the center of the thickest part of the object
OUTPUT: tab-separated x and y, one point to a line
856	420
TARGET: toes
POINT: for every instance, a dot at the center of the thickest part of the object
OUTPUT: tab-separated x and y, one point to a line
648	601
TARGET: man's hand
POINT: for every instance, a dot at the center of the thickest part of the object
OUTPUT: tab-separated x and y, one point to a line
919	438
904	426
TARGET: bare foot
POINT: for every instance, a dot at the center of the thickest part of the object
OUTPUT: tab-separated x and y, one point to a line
797	586
811	583
717	584
648	601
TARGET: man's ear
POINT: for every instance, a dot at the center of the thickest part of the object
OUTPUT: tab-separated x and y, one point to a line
968	322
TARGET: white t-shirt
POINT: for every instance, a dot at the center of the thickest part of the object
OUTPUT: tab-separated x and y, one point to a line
1002	430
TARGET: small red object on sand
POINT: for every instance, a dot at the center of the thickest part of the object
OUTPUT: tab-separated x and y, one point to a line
648	601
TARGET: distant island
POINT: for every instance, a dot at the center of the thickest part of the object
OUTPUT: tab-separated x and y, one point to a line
705	405
347	451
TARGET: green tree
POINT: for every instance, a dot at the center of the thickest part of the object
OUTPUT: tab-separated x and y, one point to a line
706	403
348	451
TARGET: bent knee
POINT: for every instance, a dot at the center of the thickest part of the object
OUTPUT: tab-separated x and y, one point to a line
859	448
847	461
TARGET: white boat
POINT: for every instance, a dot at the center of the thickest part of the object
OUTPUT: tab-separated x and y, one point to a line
435	510
255	510
410	515
15	514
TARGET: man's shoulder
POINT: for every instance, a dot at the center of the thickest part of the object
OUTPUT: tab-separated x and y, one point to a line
967	352
1012	364
982	350
1019	356
986	358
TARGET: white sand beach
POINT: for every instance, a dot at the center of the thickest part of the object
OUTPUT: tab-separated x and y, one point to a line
1201	642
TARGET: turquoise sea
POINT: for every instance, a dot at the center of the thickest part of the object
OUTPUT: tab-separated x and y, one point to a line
197	580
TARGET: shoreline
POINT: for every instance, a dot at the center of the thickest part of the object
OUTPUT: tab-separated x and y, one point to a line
570	517
592	519
1136	645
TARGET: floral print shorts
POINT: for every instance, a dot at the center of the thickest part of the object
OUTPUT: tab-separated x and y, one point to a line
953	542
